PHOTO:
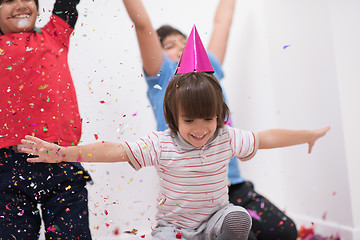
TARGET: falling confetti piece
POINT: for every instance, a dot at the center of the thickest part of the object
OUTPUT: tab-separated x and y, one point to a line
116	232
228	122
253	214
96	136
178	235
134	231
162	201
43	86
286	46
102	102
157	86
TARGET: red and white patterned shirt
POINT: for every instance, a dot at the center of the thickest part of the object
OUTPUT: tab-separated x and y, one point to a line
193	180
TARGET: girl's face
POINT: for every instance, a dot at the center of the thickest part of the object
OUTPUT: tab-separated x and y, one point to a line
17	15
197	131
173	45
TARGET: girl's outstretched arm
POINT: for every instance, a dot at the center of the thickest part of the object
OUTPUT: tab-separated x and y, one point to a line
221	29
52	153
274	138
149	43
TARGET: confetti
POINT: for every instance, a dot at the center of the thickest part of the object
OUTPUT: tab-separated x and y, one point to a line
162	201
286	46
253	214
43	87
134	231
157	86
178	235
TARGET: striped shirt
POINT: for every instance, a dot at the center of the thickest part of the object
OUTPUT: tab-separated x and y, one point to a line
193	180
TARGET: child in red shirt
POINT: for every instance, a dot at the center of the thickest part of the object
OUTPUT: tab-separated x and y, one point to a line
38	98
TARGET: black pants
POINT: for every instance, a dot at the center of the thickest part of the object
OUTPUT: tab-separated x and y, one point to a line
59	189
269	222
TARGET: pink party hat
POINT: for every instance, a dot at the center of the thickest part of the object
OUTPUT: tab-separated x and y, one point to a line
194	57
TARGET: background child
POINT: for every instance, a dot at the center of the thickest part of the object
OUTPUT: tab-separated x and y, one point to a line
191	158
159	60
39	99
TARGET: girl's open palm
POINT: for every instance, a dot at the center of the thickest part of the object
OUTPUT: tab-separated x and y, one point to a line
46	152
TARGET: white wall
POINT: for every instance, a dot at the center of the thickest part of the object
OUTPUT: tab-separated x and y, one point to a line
309	84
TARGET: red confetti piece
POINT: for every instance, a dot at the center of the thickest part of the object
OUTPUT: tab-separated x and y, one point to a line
102	101
178	235
96	136
51	229
303	232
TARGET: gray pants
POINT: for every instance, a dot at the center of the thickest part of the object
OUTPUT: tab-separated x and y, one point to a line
209	230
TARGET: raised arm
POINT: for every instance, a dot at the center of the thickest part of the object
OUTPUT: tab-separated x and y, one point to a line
221	29
275	138
149	44
52	153
66	9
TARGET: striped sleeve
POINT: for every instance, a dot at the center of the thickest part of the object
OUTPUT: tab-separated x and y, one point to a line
143	152
243	143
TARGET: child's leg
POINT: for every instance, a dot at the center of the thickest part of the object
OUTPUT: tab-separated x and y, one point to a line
269	221
165	230
19	216
65	209
230	222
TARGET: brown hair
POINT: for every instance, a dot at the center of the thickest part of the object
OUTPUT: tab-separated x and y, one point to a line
195	95
167	30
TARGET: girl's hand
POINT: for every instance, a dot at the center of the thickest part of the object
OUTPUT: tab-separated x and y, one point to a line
46	152
316	135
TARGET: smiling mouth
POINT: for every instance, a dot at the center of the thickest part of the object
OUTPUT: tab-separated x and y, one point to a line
22	16
198	137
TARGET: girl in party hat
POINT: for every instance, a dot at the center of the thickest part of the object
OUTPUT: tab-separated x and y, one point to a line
160	52
191	158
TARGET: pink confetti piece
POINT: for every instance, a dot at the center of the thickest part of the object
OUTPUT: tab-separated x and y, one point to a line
253	214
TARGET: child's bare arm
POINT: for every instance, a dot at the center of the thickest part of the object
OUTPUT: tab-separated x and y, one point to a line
52	153
149	43
274	138
221	29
